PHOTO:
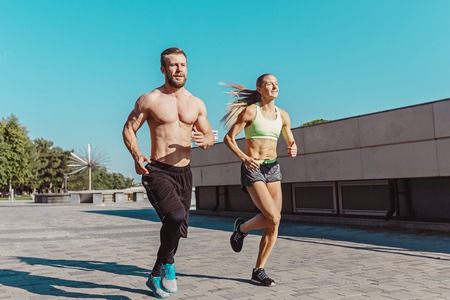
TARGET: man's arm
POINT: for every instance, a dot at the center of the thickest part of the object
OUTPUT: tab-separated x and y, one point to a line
202	134
135	120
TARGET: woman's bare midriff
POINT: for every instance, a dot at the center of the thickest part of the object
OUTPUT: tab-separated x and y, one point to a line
261	148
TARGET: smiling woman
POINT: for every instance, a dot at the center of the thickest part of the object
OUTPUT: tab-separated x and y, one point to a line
255	112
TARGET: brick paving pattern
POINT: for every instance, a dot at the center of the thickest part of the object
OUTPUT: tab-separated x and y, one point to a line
105	252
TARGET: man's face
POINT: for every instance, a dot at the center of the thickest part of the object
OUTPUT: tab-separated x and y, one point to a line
269	87
175	70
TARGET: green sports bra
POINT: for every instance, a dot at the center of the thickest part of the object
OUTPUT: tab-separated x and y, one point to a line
262	128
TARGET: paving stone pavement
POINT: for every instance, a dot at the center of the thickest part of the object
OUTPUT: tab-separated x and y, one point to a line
105	252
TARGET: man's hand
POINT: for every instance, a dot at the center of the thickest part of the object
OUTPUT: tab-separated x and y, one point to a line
139	164
198	138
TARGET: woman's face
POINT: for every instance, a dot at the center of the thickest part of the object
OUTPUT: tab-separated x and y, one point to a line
269	88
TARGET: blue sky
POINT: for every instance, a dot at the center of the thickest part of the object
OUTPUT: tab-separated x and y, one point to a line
72	70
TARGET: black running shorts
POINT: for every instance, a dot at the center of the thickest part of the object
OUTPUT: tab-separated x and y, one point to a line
169	188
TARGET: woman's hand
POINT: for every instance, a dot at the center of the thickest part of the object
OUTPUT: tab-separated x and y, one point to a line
251	163
292	150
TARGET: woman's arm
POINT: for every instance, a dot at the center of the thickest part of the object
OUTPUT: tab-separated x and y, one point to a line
288	135
244	119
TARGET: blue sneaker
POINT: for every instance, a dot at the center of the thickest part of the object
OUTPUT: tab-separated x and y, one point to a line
154	284
169	281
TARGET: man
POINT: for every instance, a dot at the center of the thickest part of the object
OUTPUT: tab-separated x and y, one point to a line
175	118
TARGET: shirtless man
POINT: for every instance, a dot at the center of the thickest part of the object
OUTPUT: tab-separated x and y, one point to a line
175	118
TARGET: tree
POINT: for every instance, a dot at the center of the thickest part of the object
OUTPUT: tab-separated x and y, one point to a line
17	152
3	149
314	122
39	166
120	182
101	180
51	166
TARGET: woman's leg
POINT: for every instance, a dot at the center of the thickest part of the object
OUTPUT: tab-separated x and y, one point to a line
268	199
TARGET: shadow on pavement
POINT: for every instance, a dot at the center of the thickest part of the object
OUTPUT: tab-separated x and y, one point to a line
87	265
212	277
51	286
398	240
147	214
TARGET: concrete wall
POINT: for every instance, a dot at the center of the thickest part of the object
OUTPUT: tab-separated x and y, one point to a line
94	196
406	143
51	198
403	143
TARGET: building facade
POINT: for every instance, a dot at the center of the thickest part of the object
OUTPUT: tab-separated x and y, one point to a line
390	164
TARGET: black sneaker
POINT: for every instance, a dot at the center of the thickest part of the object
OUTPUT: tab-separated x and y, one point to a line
237	238
260	277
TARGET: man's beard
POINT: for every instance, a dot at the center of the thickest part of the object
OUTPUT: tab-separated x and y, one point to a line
175	84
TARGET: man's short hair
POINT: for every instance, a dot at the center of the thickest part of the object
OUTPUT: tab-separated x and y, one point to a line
169	51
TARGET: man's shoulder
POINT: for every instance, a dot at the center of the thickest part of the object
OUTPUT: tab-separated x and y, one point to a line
146	100
195	98
154	94
189	96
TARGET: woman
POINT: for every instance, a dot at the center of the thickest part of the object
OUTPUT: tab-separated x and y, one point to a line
254	111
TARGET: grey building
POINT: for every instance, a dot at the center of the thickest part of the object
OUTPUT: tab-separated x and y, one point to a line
390	164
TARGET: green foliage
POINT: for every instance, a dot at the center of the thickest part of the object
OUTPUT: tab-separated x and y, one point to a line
17	151
38	166
314	122
101	180
17	198
50	166
3	149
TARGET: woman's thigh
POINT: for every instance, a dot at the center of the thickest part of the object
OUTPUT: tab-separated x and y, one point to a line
266	197
275	191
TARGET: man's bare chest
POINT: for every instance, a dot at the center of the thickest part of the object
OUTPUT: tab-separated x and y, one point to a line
171	113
